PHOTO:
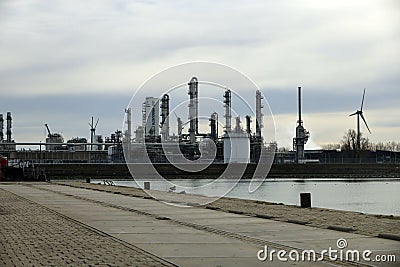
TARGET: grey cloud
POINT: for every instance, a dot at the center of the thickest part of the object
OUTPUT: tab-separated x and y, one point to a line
62	48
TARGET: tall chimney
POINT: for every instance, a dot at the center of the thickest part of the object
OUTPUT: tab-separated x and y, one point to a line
300	122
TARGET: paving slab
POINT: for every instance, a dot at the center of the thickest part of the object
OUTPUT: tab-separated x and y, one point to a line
191	236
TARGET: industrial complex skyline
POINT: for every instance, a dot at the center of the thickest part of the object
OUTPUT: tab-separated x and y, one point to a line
65	61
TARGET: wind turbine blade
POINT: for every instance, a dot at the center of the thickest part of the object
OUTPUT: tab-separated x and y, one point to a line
355	113
362	102
96	123
362	116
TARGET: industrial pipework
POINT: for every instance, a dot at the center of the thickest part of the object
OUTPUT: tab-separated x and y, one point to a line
165	117
193	109
228	116
259	115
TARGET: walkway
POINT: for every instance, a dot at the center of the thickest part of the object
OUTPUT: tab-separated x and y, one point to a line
50	224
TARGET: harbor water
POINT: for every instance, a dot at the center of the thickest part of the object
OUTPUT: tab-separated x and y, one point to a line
373	196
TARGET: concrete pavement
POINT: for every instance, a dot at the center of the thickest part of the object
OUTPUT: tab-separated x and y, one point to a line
193	236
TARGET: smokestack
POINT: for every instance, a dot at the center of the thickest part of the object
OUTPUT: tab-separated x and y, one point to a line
193	109
9	125
165	117
302	134
299	100
1	128
248	123
228	116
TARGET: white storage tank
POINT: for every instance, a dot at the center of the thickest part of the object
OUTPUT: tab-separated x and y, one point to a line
236	148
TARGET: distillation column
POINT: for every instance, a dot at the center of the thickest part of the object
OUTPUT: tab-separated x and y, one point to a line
248	124
150	117
193	109
165	117
228	115
128	133
9	125
1	128
259	115
214	126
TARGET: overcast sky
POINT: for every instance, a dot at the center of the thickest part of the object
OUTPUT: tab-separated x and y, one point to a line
62	62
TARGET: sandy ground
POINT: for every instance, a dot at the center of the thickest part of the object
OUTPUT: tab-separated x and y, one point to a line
367	224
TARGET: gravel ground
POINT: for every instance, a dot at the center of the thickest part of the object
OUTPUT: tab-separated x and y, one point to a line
367	224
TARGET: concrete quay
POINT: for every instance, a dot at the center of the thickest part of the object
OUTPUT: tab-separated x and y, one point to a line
44	224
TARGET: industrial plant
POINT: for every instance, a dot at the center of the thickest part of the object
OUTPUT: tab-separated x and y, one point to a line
236	139
235	145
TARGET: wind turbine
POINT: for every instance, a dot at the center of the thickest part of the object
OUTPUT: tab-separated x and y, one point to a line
359	114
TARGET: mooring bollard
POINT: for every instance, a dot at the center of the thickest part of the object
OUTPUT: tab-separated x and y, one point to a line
305	200
146	185
88	180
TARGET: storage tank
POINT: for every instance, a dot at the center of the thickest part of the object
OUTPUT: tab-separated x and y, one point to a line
54	138
236	148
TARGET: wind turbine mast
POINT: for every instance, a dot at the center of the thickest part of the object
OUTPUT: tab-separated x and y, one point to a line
359	114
